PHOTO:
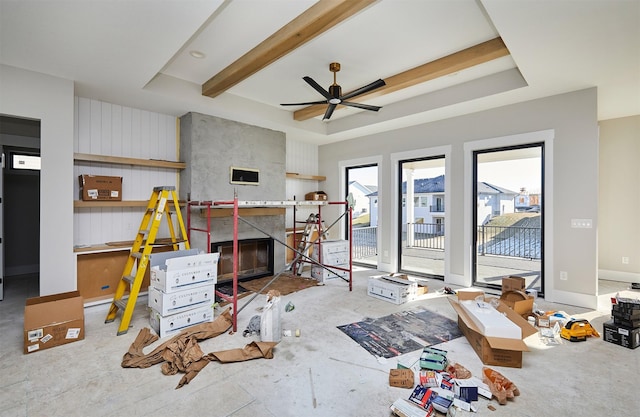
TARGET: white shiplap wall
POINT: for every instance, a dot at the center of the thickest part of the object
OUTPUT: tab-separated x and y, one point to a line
302	158
109	129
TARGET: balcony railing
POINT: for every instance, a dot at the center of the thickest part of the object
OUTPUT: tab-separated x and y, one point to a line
365	242
518	242
514	241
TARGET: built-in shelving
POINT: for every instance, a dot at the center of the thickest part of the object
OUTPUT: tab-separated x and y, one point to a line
295	175
120	160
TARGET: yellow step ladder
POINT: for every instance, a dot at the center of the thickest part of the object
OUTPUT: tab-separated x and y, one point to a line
159	202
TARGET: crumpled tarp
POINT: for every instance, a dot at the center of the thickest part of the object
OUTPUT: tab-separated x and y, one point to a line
182	353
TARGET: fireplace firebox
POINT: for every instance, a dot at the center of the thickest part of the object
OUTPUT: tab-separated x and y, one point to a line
255	259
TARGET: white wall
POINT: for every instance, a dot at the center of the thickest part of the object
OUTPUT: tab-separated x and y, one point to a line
49	99
572	156
619	199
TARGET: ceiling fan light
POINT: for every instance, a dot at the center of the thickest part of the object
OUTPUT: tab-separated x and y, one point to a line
335	101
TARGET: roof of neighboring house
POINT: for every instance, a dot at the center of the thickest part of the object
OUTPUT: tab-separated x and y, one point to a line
436	185
426	185
486	188
366	189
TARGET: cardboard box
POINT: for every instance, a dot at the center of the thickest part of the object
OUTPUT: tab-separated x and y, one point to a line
492	350
405	408
393	289
518	301
175	323
179	301
489	321
322	275
53	320
622	336
316	196
513	283
328	247
401	378
184	272
100	187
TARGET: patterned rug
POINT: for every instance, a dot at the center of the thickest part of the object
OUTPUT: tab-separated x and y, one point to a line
403	332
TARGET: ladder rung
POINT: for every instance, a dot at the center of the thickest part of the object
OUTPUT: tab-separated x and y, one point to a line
121	304
129	278
143	232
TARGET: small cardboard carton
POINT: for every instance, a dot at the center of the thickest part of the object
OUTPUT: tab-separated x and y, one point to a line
53	320
513	283
494	351
402	378
100	187
316	196
518	301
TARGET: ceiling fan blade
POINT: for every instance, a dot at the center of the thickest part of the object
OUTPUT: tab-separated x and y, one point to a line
318	87
361	106
304	104
329	112
369	87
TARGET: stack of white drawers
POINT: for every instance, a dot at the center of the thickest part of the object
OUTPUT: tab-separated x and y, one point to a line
330	253
181	291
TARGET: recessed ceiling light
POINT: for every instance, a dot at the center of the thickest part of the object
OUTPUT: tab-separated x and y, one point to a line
197	54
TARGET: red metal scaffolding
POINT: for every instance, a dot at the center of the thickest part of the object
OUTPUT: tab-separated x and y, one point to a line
235	204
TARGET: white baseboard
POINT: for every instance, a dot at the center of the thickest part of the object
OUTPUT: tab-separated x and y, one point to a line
618	275
573	298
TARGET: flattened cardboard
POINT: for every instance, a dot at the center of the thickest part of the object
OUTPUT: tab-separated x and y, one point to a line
493	350
53	320
401	378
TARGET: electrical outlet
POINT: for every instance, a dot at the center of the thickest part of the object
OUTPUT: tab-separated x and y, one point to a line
564	276
625	260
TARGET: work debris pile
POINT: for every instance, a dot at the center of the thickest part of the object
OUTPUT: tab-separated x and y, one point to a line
446	387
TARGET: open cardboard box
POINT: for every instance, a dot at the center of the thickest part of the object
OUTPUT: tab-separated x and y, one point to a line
494	351
53	320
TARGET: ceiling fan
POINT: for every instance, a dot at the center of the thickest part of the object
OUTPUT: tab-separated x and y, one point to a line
334	95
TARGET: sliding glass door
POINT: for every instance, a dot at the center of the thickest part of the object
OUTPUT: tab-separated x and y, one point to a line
508	215
421	246
362	185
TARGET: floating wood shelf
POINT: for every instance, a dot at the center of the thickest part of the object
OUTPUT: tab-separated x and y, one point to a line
106	203
306	177
120	160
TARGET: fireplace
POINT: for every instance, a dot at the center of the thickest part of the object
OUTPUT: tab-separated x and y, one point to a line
255	259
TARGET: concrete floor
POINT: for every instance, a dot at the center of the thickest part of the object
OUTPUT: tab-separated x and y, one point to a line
321	373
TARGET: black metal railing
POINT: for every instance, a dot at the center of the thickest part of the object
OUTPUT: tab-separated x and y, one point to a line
514	241
427	235
365	242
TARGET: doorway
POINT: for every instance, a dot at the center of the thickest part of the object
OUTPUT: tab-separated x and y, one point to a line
421	246
361	182
508	215
19	207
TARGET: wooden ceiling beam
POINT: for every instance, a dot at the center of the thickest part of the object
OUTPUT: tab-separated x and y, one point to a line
319	18
466	58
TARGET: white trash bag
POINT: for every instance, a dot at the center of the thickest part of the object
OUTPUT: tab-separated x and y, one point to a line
270	323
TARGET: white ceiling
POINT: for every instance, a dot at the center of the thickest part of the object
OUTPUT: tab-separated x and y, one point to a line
136	53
